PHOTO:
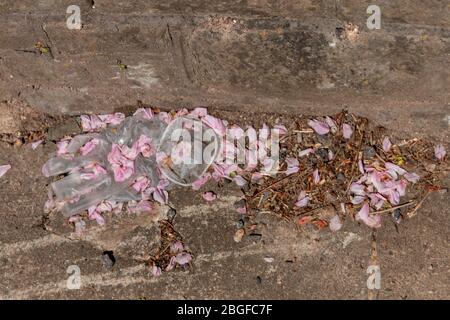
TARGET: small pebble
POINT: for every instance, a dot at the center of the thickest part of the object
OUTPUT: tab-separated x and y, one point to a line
240	224
368	152
108	259
397	215
171	214
323	154
239	235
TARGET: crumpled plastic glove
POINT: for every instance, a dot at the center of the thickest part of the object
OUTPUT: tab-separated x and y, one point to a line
124	162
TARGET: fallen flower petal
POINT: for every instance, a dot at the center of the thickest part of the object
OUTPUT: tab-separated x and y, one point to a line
305	152
199	112
395	168
319	127
358	199
36	144
141	206
4	169
411	177
364	215
292	166
361	166
61	146
197	184
209	196
145	146
347	131
241	210
89	146
140	184
216	124
183	258
357	189
176	247
256	177
439	151
156	271
146	113
387	144
332	124
240	181
335	223
316	176
302	200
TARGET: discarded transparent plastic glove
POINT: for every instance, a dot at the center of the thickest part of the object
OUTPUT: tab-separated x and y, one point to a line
128	161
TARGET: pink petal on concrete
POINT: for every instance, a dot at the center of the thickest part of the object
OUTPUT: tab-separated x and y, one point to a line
209	196
364	215
439	151
4	169
387	144
335	223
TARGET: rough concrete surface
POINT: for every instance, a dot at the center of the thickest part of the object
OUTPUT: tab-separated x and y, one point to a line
246	60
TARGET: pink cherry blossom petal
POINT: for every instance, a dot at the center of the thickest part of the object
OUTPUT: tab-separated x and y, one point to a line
332	124
209	196
156	271
216	124
4	169
347	131
316	176
141	206
305	152
146	113
89	146
319	127
386	144
302	200
439	151
240	181
145	146
36	144
197	184
412	177
335	223
292	165
140	184
183	258
364	215
199	112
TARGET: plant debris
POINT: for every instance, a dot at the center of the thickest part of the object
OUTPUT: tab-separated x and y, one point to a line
329	169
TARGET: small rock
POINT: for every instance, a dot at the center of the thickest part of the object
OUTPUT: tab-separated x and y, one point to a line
239	235
368	152
108	259
268	259
240	224
340	177
397	215
323	154
239	204
171	214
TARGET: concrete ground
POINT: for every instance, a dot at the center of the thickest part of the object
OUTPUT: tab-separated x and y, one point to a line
245	60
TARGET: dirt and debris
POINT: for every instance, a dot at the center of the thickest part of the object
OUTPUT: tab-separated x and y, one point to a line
330	169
